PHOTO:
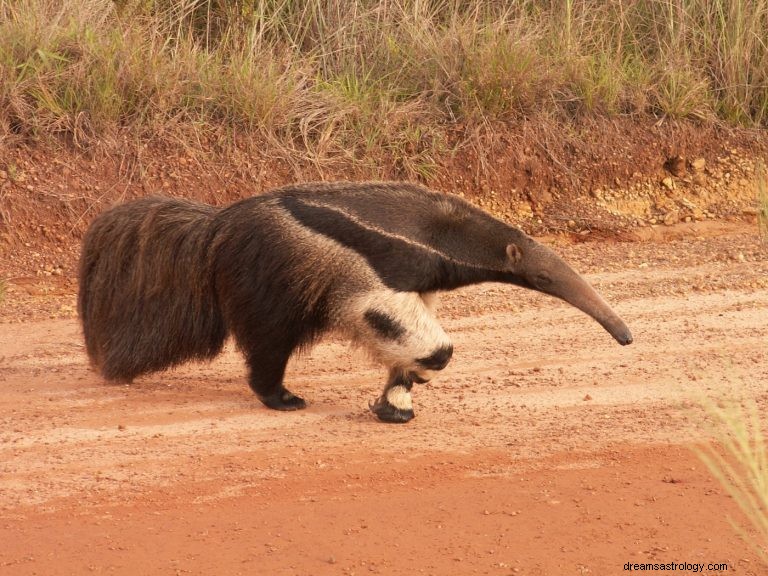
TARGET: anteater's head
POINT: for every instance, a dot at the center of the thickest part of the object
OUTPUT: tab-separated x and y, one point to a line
535	266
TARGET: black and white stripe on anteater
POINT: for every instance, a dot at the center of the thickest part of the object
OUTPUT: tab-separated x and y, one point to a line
166	280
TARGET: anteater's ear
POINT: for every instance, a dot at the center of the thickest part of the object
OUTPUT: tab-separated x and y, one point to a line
514	254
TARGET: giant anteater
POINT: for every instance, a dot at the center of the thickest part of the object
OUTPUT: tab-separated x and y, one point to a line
166	280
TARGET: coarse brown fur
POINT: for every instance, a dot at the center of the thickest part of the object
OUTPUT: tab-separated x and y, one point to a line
146	298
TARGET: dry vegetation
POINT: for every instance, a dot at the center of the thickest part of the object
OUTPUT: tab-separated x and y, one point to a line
762	200
391	83
740	459
741	466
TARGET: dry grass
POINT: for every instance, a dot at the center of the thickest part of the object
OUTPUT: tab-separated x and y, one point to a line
740	464
394	84
762	201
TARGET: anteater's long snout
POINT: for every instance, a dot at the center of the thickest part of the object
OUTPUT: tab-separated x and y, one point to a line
585	298
569	285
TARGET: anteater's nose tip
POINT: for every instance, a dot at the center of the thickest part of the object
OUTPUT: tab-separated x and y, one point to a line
625	338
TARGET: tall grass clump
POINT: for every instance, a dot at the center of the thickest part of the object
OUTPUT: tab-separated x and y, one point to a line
383	83
762	200
739	461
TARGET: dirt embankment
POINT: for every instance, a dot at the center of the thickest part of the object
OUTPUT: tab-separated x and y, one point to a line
585	180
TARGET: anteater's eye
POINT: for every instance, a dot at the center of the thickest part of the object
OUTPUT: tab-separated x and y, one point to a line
543	280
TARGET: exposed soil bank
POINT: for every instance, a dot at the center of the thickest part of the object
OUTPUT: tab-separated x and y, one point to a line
592	179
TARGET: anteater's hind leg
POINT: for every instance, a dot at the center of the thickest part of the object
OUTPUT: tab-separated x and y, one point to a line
267	369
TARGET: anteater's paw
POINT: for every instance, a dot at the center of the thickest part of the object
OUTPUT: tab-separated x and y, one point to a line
284	400
386	412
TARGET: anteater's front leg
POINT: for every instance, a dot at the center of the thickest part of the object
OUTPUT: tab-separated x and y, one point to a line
394	404
402	332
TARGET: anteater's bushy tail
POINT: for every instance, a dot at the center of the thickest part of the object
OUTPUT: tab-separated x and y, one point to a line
147	299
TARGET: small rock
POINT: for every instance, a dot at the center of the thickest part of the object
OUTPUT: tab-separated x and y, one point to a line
698	164
587	397
540	197
675	166
671	218
668	183
670	480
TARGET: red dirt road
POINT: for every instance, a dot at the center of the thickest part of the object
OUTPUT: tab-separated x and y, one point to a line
544	449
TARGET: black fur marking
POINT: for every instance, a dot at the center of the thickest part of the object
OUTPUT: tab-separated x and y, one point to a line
416	379
438	359
398	378
385	325
401	265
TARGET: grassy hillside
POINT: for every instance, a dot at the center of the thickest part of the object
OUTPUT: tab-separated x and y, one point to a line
398	83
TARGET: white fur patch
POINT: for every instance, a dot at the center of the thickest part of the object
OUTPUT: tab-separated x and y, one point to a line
423	335
400	398
431	300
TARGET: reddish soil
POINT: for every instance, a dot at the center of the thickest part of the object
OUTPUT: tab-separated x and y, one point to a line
543	449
